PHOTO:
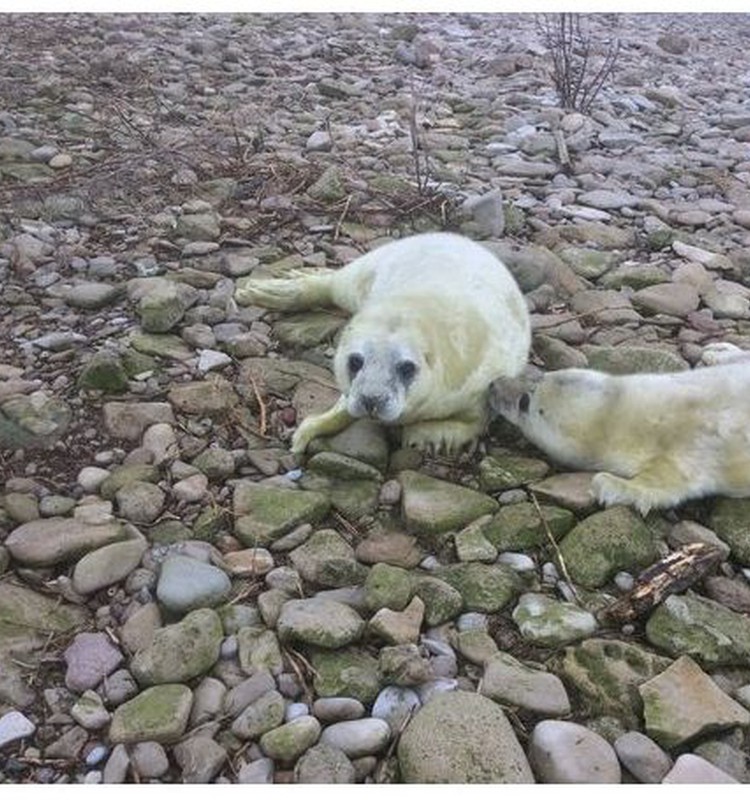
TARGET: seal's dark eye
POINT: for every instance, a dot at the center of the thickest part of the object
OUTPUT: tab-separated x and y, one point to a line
355	363
523	403
406	370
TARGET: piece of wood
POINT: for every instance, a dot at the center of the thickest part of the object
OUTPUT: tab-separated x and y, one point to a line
674	573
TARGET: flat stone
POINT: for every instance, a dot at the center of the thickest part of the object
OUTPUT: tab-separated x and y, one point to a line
546	621
262	715
348	672
15	726
607	199
107	565
200	758
571	490
158	714
324	764
126	420
459	737
90	658
358	737
186	584
483	587
683	703
675	299
693	769
319	622
642	757
509	682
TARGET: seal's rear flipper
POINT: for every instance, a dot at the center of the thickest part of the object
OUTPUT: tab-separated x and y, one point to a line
660	485
298	292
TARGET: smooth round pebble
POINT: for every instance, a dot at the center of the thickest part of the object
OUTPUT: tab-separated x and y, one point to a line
358	737
565	752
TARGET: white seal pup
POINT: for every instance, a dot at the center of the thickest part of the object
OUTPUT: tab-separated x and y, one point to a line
659	438
436	318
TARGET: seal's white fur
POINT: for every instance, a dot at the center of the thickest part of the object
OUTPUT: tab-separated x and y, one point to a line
437	301
661	438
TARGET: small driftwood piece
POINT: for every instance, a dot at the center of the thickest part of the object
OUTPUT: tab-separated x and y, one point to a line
675	573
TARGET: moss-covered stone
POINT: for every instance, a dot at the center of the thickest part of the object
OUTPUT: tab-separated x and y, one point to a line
319	622
326	559
127	474
181	651
265	513
387	587
460	737
704	629
483	587
348	672
364	440
605	543
431	506
730	521
472	545
519	526
442	602
159	714
308	329
497	474
104	372
624	360
258	648
549	622
288	742
164	345
588	263
606	674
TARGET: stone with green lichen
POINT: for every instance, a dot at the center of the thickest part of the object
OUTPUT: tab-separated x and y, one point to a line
215	463
388	587
354	499
169	531
265	513
510	682
347	672
461	737
210	523
404	665
261	716
32	421
319	622
364	440
161	308
259	648
606	673
288	742
329	187
164	345
624	360
692	625
159	714
683	703
442	602
634	276
549	622
135	363
210	397
476	645
730	521
200	227
431	506
337	465
237	616
126	474
498	473
326	559
588	263
605	543
104	372
180	651
483	587
660	239
308	329
472	545
270	604
519	526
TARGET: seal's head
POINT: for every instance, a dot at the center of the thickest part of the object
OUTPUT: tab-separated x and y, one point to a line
379	375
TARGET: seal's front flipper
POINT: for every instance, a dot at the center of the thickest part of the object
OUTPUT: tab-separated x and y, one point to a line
332	421
447	436
660	485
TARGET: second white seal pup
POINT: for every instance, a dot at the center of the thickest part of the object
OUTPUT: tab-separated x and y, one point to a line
436	318
660	438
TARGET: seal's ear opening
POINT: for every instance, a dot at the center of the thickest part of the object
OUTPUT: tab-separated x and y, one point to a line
523	402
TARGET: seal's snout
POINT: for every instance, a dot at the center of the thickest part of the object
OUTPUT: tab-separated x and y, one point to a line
372	404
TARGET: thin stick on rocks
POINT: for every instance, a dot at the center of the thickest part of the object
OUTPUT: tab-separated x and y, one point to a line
558	555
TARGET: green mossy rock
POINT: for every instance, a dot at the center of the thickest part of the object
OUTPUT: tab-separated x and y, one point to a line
483	587
348	672
519	527
159	714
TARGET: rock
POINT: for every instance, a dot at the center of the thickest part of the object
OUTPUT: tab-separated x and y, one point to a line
605	543
262	715
288	742
324	764
199	227
683	703
509	682
259	649
346	673
693	769
200	758
252	562
497	474
265	513
731	593
520	527
329	188
89	711
442	601
125	420
565	752
14	726
387	586
259	771
674	43
459	737
358	737
607	199
104	372
90	658
623	360
336	709
431	506
571	490
326	559
404	665
140	502
158	714
642	757
319	622
186	584
398	627
107	565
149	759
180	651
396	549
395	705
244	694
692	625
212	396
319	142
676	299
729	519
548	622
606	673
483	587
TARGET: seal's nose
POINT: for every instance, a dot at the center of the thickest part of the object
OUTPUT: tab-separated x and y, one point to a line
370	403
